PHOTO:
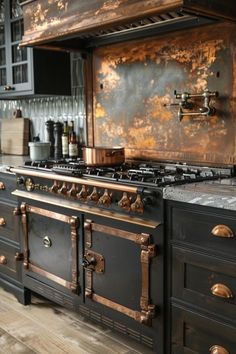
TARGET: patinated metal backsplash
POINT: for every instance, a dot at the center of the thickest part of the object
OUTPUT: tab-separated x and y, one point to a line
133	81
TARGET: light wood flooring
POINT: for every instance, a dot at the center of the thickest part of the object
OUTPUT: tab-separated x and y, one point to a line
47	328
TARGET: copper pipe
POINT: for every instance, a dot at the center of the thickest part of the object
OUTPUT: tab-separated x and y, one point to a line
87	182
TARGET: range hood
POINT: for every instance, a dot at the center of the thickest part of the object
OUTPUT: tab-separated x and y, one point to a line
88	23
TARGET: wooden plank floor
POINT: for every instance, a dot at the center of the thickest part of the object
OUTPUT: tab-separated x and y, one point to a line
47	328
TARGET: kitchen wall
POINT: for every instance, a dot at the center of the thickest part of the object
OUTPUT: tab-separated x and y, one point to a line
133	82
56	108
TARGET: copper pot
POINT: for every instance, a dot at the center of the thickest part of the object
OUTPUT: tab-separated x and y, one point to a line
100	156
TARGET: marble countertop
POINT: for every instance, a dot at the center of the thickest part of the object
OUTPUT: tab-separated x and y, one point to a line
217	193
11	160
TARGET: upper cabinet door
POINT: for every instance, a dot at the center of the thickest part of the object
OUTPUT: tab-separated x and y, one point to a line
15	61
26	71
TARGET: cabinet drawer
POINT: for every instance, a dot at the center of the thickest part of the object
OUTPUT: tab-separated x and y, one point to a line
9	265
7	185
205	228
9	223
205	281
193	333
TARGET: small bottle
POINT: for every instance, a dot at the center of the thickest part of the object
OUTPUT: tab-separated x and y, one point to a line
73	145
65	140
57	140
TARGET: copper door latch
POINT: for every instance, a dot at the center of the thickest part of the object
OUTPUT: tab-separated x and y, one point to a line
93	261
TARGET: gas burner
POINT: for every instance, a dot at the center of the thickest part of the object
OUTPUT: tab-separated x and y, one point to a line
144	174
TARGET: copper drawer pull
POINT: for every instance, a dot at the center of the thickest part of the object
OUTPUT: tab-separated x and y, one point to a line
2	222
3	260
221	290
2	186
217	349
222	231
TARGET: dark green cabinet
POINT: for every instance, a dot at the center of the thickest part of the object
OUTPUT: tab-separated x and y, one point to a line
26	71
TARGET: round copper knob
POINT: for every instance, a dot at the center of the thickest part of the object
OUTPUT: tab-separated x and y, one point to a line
2	222
137	206
125	202
83	194
63	189
2	186
105	199
94	196
3	260
72	191
54	188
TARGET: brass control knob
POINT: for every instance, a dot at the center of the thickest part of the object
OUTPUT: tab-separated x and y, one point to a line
72	191
63	189
218	349
94	196
138	205
2	222
125	202
29	184
83	194
105	199
2	186
54	188
3	260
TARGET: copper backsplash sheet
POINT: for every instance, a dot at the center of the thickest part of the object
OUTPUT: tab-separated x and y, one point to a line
133	81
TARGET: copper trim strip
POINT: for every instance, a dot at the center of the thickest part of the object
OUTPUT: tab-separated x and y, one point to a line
74	223
86	209
113	305
50	276
87	182
48	213
131	236
25	233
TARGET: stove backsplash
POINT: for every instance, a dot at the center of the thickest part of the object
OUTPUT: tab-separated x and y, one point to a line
133	82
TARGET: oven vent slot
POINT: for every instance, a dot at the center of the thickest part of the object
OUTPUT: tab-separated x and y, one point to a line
139	337
138	28
142	23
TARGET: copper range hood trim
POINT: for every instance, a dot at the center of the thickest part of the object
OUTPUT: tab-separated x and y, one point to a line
116	25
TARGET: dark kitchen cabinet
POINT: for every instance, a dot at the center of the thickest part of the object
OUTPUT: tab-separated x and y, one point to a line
11	255
202	278
26	71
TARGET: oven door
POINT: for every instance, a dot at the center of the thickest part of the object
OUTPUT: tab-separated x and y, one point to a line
117	261
50	245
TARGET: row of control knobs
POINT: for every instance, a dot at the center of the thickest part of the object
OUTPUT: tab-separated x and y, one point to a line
83	194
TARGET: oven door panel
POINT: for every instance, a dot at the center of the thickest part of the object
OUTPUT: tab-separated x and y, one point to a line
50	245
120	257
117	262
46	243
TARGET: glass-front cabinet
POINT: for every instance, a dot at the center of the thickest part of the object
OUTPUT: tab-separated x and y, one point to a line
25	71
